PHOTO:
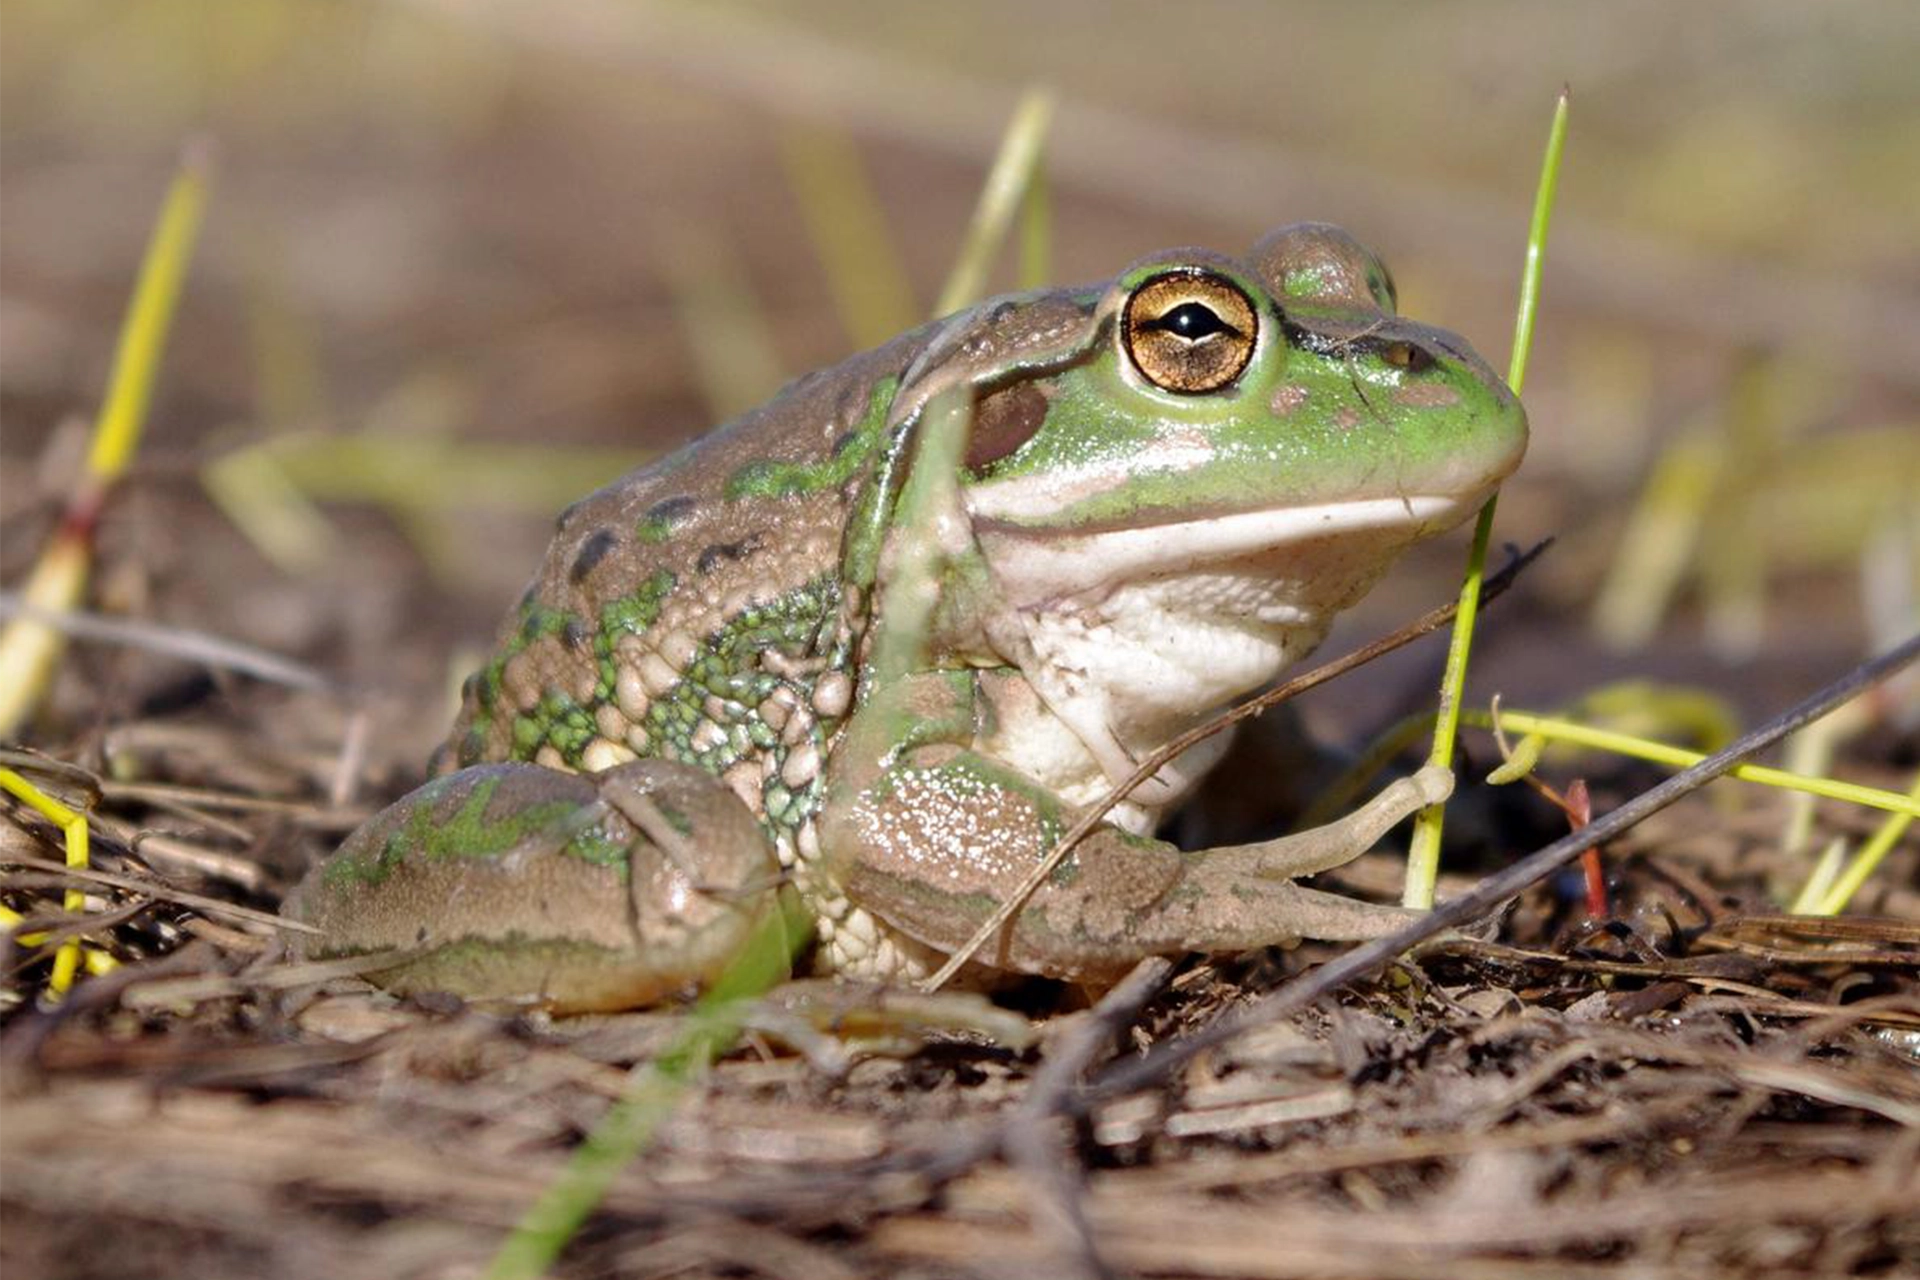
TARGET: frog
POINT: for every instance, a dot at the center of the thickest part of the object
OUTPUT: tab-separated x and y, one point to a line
1170	484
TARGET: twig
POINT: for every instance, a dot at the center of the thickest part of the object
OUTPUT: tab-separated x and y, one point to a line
185	643
161	893
1303	991
1031	1131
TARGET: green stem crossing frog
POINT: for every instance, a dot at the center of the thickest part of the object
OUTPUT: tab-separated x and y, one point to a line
1171	484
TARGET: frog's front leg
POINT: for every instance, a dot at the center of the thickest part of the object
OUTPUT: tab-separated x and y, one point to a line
516	885
931	836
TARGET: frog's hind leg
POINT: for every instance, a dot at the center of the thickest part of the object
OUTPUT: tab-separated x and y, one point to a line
518	886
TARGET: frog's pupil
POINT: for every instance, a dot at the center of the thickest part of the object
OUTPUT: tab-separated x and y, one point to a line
1192	321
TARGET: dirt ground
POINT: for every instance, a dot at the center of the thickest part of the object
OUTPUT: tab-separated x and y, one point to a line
464	262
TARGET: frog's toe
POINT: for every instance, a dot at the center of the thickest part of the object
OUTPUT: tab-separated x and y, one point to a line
521	886
898	1021
1434	782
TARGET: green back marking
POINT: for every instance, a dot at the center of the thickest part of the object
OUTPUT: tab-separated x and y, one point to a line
770	479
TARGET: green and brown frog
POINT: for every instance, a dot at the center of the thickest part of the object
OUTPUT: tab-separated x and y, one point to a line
1171	484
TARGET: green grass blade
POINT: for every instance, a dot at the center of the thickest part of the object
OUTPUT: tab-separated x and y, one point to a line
1423	855
654	1089
1543	199
932	493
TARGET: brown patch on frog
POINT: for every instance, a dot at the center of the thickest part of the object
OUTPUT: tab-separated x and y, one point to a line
1426	395
592	551
1319	264
1287	397
1133	880
521	679
1003	421
720	552
1348	418
851	406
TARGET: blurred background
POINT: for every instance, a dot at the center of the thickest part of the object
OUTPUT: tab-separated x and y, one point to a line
466	259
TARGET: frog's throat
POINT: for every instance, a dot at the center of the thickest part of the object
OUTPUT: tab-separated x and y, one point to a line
1039	564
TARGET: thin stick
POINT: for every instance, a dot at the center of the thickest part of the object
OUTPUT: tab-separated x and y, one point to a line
1495	889
202	647
1423	850
1031	1133
161	893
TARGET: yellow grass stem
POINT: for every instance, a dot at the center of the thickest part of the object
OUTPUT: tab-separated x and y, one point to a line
866	272
143	335
1036	231
73	826
1576	734
29	648
1006	187
1820	882
1868	859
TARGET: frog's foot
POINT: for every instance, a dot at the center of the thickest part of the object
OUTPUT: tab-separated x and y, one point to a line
1224	874
935	871
627	794
520	886
829	1020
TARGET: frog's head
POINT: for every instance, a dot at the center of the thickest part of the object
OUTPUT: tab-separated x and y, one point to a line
1271	420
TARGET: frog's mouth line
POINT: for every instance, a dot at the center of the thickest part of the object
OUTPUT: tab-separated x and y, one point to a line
1048	561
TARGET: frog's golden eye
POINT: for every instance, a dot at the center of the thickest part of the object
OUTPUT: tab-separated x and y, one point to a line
1189	331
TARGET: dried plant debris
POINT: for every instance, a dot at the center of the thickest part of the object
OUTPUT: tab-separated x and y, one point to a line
1690	1089
1691	1084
